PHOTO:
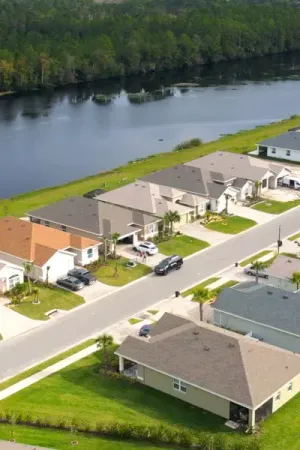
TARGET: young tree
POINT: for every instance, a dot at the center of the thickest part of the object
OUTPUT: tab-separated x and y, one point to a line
172	217
296	279
36	293
27	269
258	266
47	275
227	197
104	341
201	296
257	185
115	237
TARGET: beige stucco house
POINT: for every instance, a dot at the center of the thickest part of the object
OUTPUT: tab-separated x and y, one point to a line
226	373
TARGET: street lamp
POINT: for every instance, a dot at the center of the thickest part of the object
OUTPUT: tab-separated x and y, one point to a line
279	241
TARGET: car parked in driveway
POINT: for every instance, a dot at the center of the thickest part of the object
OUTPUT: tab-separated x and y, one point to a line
146	247
252	271
145	330
71	283
171	263
83	275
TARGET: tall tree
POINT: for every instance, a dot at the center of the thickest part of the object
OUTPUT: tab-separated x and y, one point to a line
202	296
296	279
172	217
104	341
259	266
28	265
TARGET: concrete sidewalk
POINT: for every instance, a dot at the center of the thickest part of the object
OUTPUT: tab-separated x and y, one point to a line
13	323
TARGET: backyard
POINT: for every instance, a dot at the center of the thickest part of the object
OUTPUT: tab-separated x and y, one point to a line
275	207
50	297
231	225
115	273
181	245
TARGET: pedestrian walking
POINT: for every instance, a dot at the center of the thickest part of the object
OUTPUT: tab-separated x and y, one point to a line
144	257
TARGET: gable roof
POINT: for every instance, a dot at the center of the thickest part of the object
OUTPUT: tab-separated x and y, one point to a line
284	266
227	364
147	197
263	304
32	242
289	140
93	216
233	165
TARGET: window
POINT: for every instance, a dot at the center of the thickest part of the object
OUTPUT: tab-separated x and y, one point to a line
13	281
63	228
179	385
90	253
47	224
277	398
288	153
290	386
273	150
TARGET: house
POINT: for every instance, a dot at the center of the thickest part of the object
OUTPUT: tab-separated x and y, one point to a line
10	276
96	220
228	374
281	271
197	182
267	313
232	168
156	200
285	146
52	252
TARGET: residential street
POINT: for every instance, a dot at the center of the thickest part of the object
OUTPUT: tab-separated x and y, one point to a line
16	354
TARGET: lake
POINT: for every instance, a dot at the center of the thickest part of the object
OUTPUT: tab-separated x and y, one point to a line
48	138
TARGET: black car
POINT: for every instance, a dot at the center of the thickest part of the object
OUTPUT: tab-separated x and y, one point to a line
145	330
83	275
71	283
171	263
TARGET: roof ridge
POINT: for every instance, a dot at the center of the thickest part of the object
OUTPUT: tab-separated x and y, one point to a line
250	393
172	332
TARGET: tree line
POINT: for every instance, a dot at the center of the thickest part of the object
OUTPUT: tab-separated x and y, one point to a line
57	42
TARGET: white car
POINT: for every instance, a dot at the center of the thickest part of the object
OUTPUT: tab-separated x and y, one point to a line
146	247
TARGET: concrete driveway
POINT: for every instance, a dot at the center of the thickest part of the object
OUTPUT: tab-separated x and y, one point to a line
250	213
13	323
198	231
96	290
281	194
130	253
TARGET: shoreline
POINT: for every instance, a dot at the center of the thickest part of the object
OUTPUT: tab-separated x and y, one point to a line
240	142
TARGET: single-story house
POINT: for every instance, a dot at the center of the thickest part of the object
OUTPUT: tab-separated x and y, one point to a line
198	182
267	313
285	146
23	241
156	200
96	220
230	168
10	276
281	270
233	376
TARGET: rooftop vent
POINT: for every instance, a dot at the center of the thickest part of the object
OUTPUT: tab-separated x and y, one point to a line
232	167
23	225
94	214
69	215
206	348
196	333
178	177
230	345
9	229
212	164
270	292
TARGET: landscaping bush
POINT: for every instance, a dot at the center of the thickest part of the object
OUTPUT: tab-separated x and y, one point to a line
195	142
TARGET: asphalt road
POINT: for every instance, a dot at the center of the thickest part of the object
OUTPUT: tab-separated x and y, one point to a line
21	352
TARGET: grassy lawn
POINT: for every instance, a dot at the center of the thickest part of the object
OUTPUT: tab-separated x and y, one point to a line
50	298
62	439
294	237
153	311
106	273
181	245
202	285
133	321
231	225
254	258
241	142
275	207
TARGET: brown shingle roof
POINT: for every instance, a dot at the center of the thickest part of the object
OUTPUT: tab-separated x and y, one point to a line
217	360
33	242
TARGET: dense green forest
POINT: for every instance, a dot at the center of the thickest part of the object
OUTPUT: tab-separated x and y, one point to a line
55	42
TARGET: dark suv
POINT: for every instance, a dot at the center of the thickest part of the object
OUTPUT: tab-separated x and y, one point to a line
171	263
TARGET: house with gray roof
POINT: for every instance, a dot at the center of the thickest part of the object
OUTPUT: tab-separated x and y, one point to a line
265	312
228	374
280	272
156	200
286	146
91	218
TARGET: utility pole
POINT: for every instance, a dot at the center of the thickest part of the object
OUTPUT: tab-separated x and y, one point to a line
279	241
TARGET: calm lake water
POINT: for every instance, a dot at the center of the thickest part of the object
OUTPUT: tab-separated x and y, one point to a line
54	137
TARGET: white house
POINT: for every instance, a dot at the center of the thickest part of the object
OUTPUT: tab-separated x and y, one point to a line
10	276
285	146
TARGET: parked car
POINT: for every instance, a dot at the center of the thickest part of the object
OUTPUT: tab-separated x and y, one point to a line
171	263
145	330
83	275
146	247
252	271
71	283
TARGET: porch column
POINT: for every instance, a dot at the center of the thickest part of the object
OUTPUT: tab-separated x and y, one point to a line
251	419
121	364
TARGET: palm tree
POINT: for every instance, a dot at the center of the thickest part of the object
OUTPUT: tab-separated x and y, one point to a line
296	279
47	274
105	249
201	296
27	269
103	342
115	237
227	197
258	266
257	185
172	217
36	292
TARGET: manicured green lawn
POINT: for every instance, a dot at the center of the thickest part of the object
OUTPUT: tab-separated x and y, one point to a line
254	258
62	440
133	321
181	245
107	274
202	285
50	298
231	225
241	142
294	237
275	207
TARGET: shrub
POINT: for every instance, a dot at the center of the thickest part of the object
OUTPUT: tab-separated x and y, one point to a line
195	142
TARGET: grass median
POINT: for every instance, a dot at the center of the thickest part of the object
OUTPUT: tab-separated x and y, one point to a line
255	257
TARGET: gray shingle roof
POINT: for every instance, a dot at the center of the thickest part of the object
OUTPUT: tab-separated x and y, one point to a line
217	360
290	140
263	304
